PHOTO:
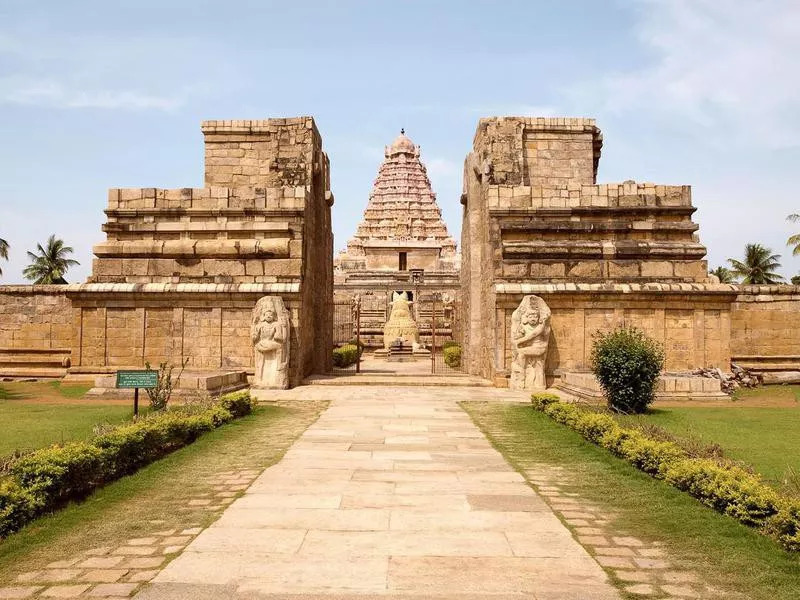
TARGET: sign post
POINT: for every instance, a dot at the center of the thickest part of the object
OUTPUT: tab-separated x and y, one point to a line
147	379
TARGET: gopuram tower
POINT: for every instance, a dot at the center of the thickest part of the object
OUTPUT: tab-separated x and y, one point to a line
402	228
401	244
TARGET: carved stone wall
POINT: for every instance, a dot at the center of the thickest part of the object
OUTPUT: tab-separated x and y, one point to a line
535	219
125	325
264	220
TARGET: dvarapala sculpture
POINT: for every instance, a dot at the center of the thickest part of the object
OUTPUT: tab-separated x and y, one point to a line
530	336
270	336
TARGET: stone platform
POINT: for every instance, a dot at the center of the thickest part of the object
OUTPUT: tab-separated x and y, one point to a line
191	383
669	387
398	379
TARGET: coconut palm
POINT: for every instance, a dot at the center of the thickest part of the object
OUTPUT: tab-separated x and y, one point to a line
723	274
3	251
795	239
50	264
758	266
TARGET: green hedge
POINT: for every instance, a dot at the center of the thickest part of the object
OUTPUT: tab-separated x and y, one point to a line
48	478
723	486
452	356
345	355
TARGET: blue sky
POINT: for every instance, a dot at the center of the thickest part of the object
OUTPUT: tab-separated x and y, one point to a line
99	94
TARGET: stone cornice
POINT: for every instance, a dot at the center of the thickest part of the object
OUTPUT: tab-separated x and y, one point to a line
632	288
154	288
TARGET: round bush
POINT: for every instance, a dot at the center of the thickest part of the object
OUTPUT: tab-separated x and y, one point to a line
345	356
627	364
452	356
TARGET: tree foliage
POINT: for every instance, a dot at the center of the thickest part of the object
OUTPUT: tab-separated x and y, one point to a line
3	251
723	274
627	365
758	266
794	240
50	263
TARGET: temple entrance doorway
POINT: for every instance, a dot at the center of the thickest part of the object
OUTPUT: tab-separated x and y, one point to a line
397	332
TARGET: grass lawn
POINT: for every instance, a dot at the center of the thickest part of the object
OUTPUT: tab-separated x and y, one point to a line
761	428
37	414
728	555
154	498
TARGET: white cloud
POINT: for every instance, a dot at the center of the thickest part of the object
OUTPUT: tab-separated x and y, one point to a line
719	64
53	94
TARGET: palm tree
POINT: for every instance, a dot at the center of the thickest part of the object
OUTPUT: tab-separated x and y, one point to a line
723	274
3	251
51	263
795	239
758	266
796	280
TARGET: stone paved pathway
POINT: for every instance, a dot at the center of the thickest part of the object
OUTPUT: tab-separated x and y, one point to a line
392	493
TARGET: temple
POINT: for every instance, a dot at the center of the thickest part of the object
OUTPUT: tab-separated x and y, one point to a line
402	228
238	280
401	245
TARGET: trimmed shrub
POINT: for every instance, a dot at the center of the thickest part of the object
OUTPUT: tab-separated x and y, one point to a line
449	344
61	472
723	486
359	344
49	478
542	399
452	356
239	404
17	506
627	364
785	525
345	356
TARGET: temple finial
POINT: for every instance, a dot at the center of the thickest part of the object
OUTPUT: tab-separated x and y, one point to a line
402	131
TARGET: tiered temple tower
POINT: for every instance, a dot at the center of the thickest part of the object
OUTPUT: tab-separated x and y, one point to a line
401	244
402	228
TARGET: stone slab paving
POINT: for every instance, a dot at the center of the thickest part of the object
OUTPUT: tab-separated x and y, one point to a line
117	571
392	493
644	568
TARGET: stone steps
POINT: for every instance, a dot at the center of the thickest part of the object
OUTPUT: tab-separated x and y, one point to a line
34	362
399	379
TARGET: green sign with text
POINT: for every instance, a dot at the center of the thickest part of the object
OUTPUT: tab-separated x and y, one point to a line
137	379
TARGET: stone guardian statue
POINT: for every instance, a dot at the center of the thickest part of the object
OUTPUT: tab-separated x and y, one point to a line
530	336
270	336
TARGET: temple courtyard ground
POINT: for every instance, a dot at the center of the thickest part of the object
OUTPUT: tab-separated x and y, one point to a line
356	491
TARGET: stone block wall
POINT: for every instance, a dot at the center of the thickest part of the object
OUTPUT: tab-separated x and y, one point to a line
264	153
693	322
547	154
534	214
202	235
34	317
263	219
765	328
35	330
126	325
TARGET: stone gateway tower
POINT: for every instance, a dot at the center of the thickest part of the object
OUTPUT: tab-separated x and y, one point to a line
537	222
401	245
402	228
181	270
